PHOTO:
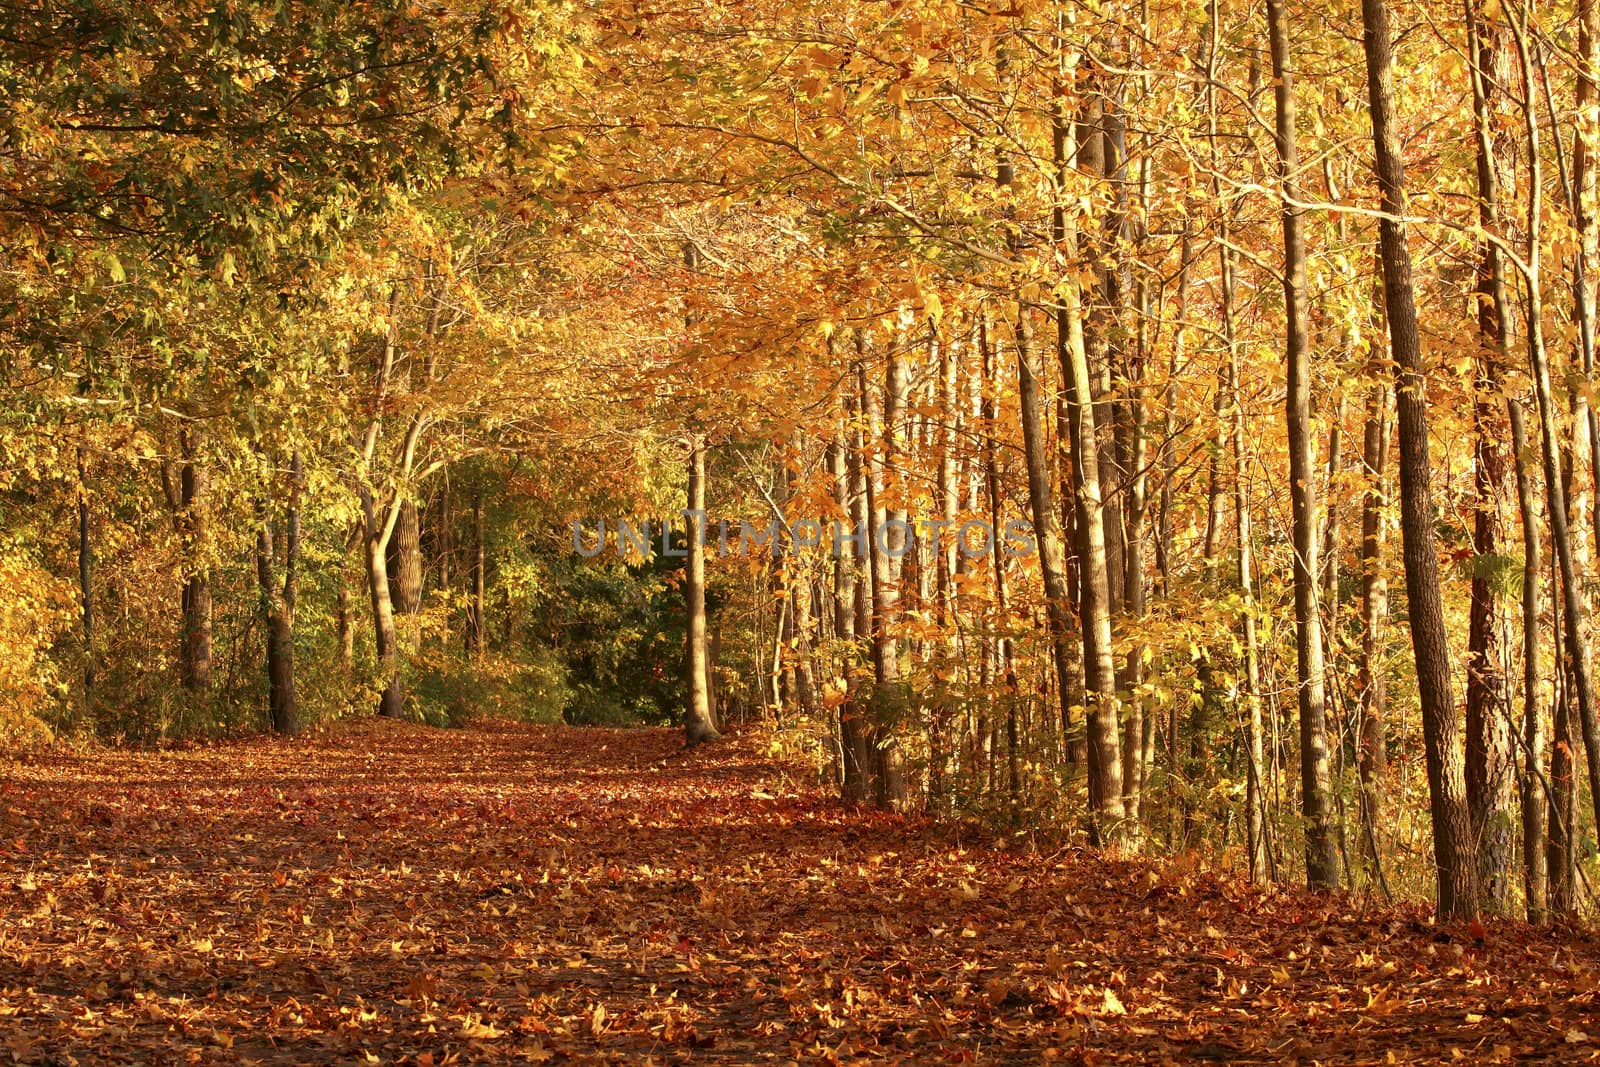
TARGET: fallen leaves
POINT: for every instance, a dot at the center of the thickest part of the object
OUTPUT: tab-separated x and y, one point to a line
393	894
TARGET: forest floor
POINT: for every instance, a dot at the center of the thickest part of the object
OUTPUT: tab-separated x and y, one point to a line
386	893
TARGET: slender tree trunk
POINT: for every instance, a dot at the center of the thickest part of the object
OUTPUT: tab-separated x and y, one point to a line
1574	610
184	491
1257	846
1103	747
1099	145
1561	846
278	603
1372	752
377	527
889	533
944	706
1177	356
700	724
475	607
999	667
1535	806
1047	532
345	612
1137	731
1490	763
378	521
1456	870
797	589
1586	217
86	582
1316	796
852	739
861	516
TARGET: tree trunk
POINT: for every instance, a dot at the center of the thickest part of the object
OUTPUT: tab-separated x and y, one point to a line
377	528
278	603
1316	797
184	493
887	549
944	705
1535	806
1490	760
86	583
475	607
1574	610
998	660
1137	731
1372	751
1561	846
797	589
1452	844
1258	847
856	775
1103	746
861	517
699	721
346	621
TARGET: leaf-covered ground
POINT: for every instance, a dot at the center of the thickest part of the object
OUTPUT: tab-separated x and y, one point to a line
393	894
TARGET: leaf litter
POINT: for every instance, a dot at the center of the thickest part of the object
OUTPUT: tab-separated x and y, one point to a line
390	893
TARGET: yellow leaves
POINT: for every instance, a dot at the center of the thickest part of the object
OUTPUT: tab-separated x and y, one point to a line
35	609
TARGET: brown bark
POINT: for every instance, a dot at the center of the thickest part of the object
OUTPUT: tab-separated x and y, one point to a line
699	721
1092	524
852	738
184	489
277	547
1530	785
1372	751
888	533
86	613
1490	761
1258	847
1456	872
796	588
1315	793
478	578
377	528
1575	621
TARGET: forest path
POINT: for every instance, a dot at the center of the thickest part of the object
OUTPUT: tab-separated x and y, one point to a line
389	893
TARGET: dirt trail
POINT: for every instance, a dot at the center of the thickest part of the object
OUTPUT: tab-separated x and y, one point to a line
392	894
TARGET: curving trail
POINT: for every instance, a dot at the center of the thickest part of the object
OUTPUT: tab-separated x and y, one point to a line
388	893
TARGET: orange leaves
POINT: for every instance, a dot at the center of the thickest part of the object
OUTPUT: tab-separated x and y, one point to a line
515	893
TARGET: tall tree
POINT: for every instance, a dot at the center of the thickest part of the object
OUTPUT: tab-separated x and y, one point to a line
278	546
1315	794
699	720
184	485
1456	874
1490	761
